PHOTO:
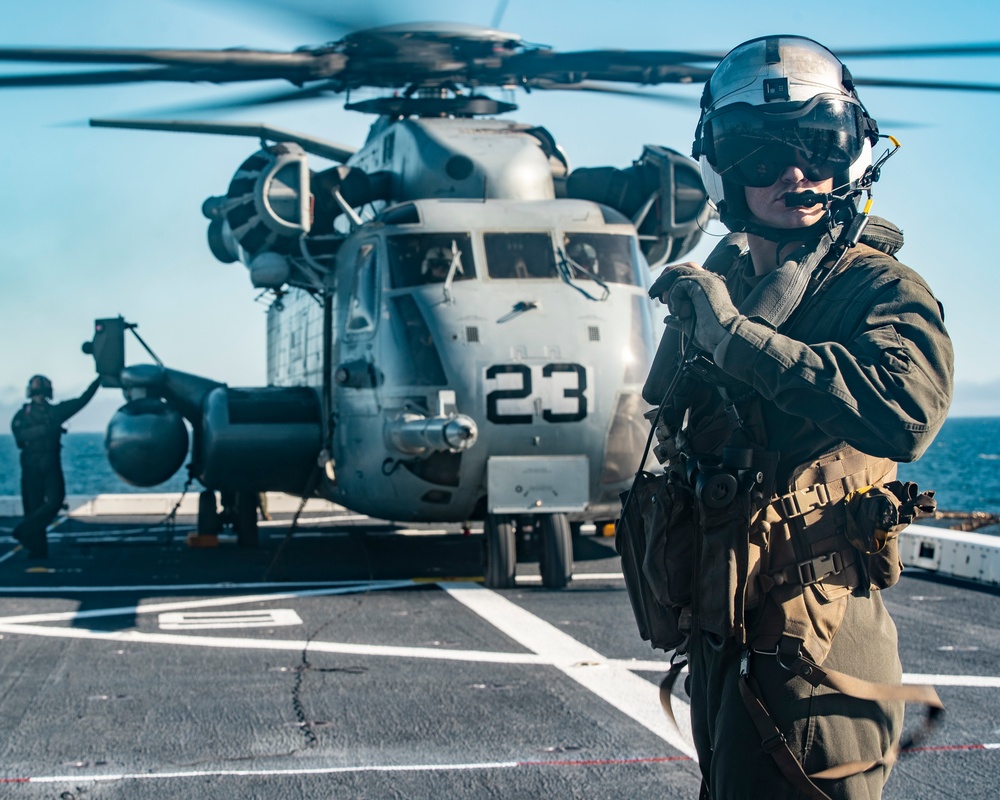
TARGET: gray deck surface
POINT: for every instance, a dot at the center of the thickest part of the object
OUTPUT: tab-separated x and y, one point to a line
331	672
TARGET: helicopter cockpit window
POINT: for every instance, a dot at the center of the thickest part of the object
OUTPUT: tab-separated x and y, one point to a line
420	258
520	255
608	256
362	309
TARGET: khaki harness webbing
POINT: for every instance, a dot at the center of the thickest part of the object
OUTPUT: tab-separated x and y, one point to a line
666	689
773	741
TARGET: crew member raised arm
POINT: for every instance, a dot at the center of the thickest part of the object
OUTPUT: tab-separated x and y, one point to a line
38	430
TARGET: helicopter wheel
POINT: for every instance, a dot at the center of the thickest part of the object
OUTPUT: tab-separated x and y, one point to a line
208	514
501	551
245	522
556	556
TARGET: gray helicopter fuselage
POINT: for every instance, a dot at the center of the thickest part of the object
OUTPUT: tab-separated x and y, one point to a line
547	367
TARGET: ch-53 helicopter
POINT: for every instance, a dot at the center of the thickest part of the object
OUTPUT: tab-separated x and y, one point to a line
458	327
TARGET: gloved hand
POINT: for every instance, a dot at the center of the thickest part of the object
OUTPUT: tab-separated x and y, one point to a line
702	303
664	283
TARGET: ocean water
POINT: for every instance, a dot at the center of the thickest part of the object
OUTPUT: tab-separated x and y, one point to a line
85	466
962	465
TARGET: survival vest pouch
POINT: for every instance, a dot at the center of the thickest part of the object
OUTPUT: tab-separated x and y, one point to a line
875	517
728	491
655	539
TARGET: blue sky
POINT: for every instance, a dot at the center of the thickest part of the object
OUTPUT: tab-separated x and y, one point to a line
101	222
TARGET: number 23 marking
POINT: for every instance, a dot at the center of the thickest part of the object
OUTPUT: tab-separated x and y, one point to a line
571	392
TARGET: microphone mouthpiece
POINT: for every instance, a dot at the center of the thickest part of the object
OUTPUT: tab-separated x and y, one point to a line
805	199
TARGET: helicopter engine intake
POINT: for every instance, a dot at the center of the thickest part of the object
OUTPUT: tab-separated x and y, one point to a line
414	434
661	193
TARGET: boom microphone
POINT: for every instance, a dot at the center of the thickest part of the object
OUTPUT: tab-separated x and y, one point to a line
806	199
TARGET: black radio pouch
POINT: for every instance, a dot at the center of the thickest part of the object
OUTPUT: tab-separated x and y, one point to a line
655	539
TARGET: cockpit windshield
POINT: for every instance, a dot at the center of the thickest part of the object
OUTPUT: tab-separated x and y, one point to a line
610	257
416	259
520	255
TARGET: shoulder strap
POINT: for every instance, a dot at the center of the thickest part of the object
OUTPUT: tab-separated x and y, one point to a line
779	293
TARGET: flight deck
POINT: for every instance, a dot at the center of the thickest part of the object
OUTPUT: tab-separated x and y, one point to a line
350	657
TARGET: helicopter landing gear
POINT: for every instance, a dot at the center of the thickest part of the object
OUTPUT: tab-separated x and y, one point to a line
555	556
245	519
208	514
501	551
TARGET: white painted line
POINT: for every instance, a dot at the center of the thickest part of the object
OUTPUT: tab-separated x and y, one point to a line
626	691
208	620
270	773
214	602
635	665
277	523
230	643
265	773
393	768
115	534
183	587
975	681
11	553
581	576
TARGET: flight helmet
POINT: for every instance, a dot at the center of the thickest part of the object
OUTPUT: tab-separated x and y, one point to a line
39	386
773	102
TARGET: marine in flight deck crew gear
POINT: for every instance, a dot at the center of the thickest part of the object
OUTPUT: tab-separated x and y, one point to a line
38	430
799	364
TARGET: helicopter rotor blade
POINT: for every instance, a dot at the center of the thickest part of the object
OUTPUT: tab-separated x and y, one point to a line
591	86
237	58
102	77
498	13
251	101
311	144
903	83
619	66
926	51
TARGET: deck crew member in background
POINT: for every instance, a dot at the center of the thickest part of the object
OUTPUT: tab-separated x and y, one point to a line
813	362
38	430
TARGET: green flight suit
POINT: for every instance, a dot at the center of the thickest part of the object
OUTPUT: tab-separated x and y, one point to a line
865	361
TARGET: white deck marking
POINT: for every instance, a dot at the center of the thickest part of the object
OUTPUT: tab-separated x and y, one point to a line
183	587
270	773
626	691
214	620
263	773
153	608
11	553
977	681
233	643
394	768
581	576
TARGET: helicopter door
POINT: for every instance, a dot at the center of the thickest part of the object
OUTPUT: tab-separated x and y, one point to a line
362	308
356	370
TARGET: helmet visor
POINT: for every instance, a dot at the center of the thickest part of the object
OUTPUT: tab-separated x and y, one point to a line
752	146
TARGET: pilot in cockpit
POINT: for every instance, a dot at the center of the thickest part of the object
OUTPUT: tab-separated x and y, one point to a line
436	265
584	255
